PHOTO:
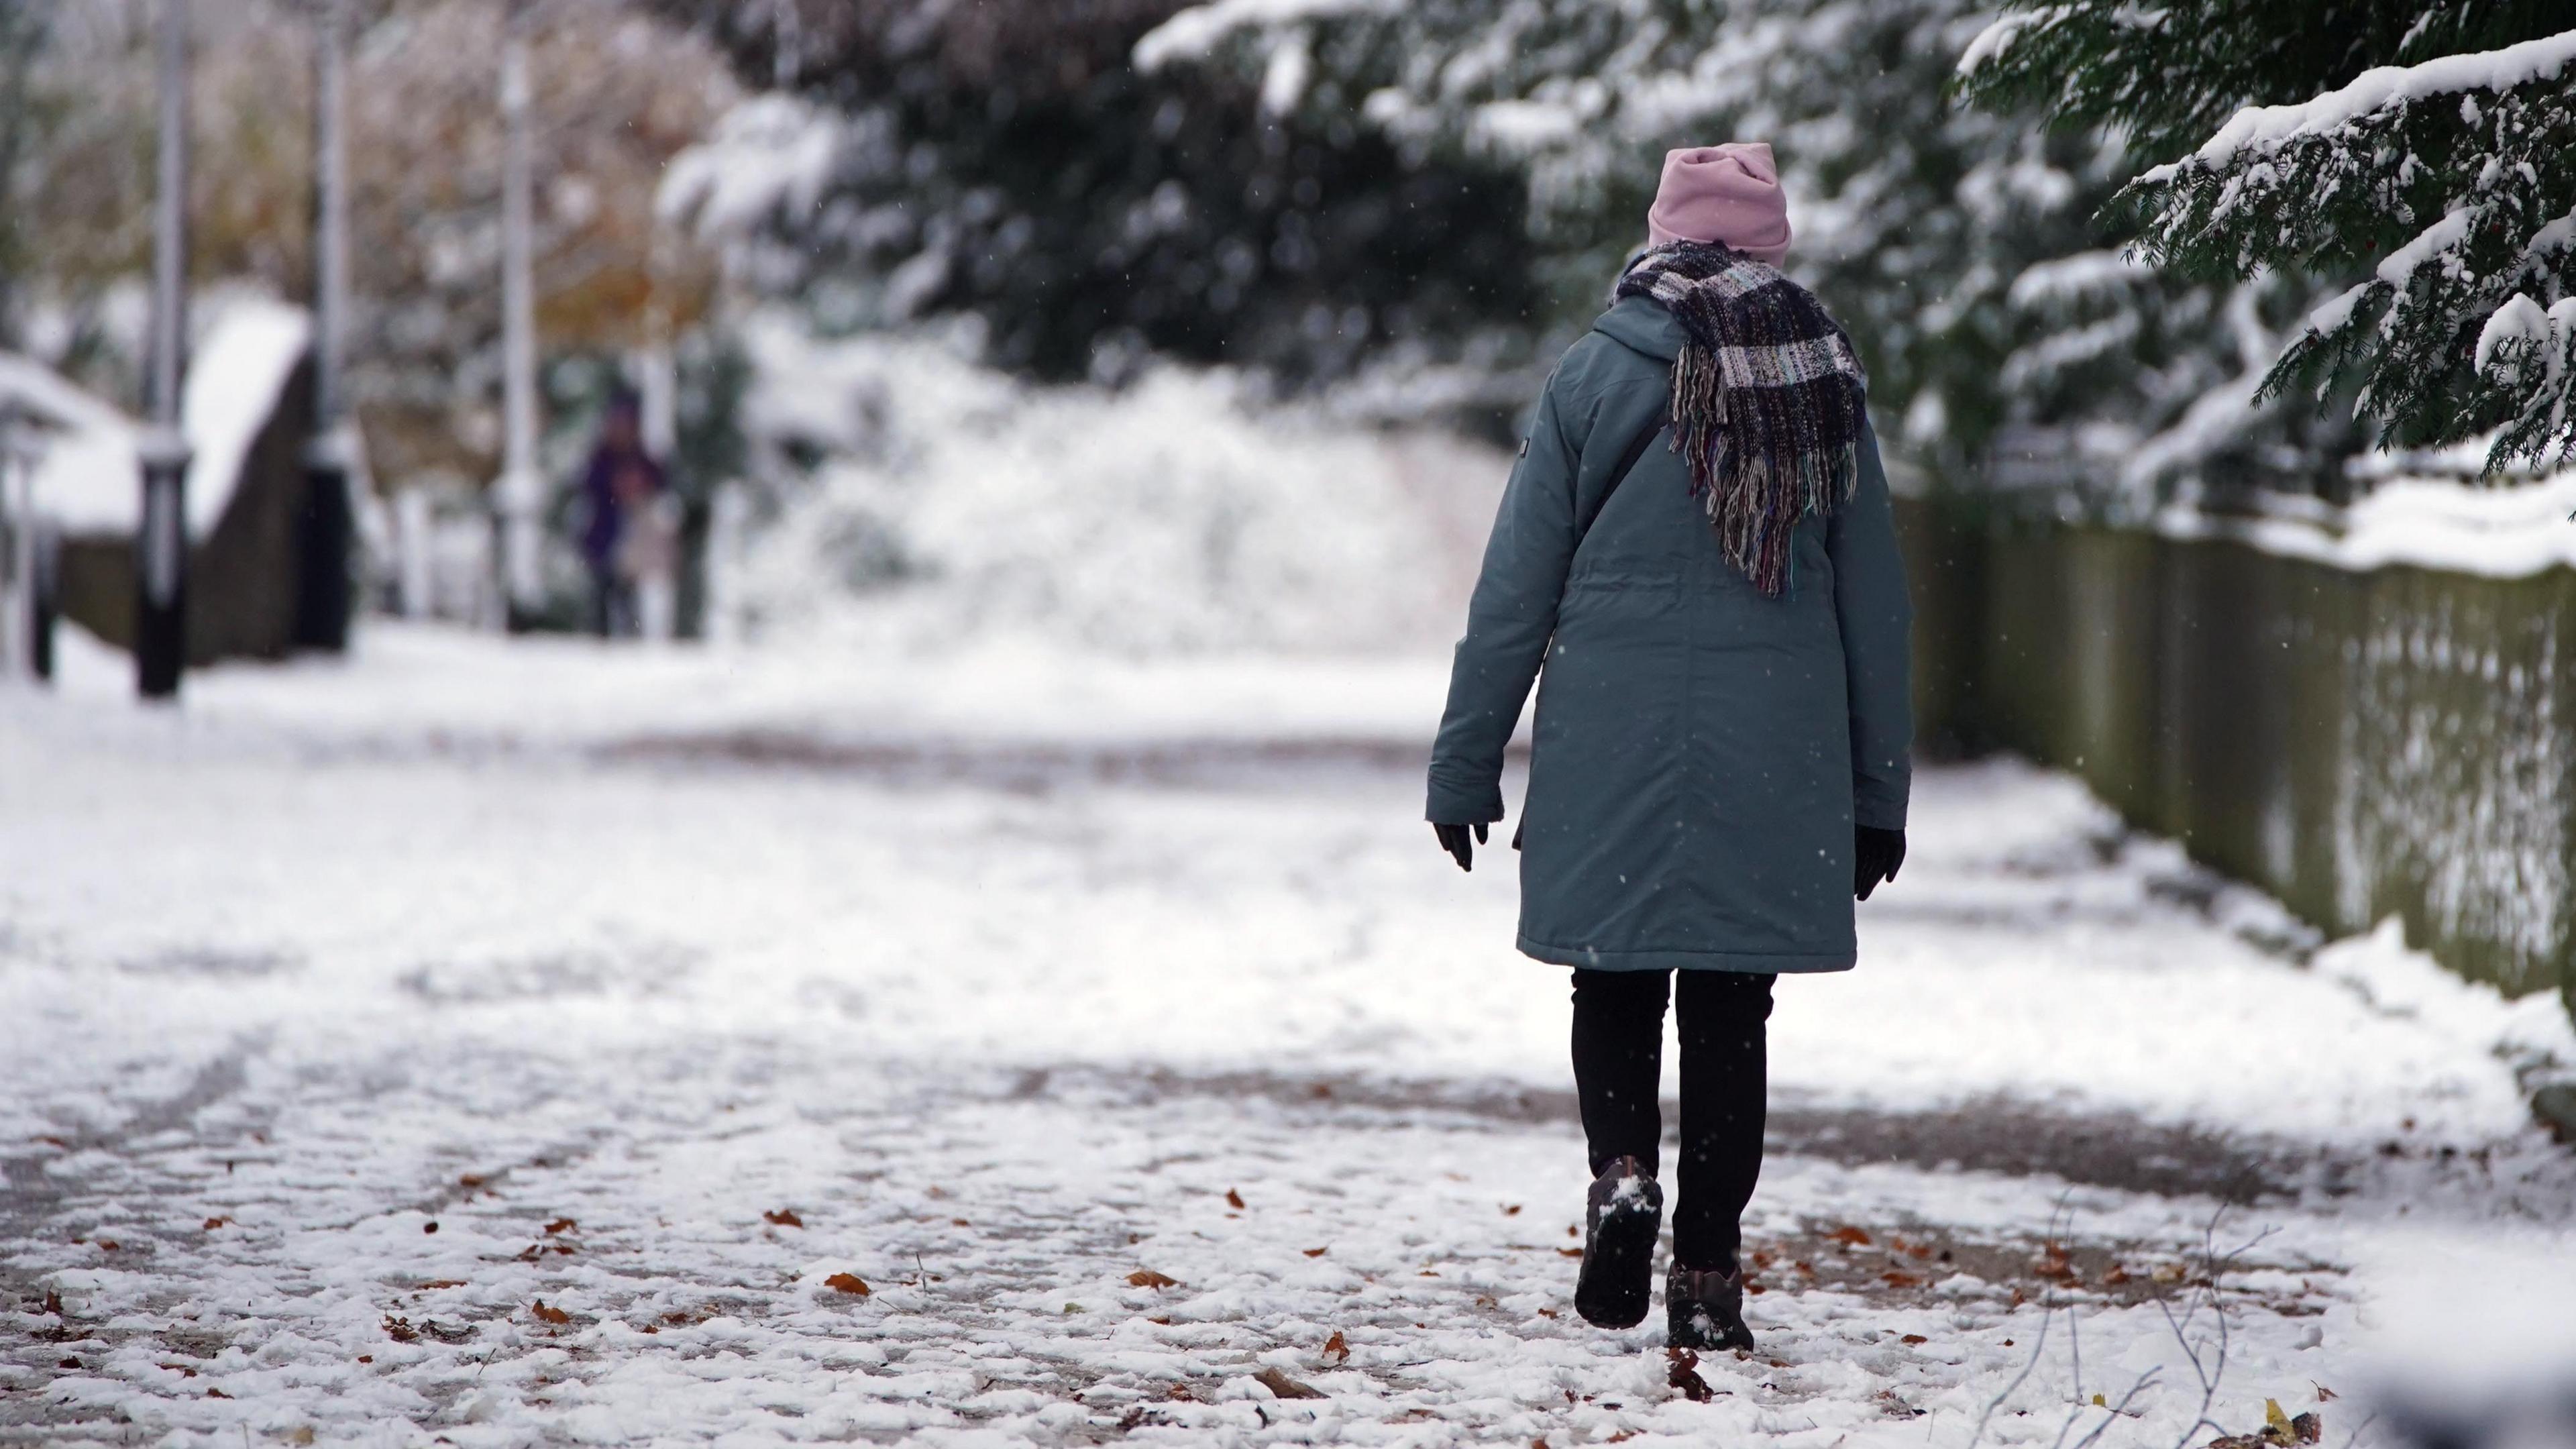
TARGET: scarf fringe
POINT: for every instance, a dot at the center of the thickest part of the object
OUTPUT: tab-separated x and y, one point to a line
1762	458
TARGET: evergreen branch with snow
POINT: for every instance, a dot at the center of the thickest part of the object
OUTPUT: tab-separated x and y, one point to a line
2425	154
2453	184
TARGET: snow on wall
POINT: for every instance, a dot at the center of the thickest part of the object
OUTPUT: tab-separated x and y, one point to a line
2411	521
85	442
235	378
89	481
1173	516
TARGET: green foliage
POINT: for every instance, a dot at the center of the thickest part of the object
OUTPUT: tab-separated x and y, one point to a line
2445	186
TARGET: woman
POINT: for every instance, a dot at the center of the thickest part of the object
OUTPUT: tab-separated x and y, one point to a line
1696	542
622	537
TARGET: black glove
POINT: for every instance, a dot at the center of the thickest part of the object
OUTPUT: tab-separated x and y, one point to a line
1453	839
1875	856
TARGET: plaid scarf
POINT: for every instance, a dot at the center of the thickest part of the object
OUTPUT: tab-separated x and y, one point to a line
1767	398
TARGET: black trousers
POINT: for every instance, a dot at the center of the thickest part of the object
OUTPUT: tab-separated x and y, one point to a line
1618	1066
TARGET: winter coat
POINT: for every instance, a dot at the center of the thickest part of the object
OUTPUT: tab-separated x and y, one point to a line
606	507
1701	752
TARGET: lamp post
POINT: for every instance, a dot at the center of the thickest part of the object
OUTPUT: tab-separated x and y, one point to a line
23	652
518	494
161	532
324	524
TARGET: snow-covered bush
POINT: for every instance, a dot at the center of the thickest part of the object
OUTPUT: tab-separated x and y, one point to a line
941	501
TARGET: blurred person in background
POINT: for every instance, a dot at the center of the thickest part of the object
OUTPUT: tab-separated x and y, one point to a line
1697	544
625	539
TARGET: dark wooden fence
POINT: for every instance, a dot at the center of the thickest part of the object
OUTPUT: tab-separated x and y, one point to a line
2359	744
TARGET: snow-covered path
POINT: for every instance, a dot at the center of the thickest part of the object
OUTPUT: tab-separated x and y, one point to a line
334	1040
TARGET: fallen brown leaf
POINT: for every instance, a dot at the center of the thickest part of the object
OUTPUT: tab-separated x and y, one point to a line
783	1218
2324	1395
54	1302
182	1370
2114	1276
1902	1280
441	1283
1148	1278
400	1330
550	1315
471	1179
69	1363
1914	1338
560	1225
1511	1210
214	1223
1317	1252
1284	1386
1337	1347
1685	1376
217	1394
1849	1236
107	1245
1570	1252
847	1283
1234	1199
1547	1313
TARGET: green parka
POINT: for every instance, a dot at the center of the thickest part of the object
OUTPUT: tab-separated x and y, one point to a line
1701	752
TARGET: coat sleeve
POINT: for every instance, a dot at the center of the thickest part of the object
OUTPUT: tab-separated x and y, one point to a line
1511	616
1877	618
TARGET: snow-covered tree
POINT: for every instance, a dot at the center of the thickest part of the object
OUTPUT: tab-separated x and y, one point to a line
2425	152
1958	246
1006	161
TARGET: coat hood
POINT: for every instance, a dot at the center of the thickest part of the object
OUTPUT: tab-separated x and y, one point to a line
1642	325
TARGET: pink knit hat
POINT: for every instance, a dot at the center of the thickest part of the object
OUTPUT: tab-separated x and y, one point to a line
1729	194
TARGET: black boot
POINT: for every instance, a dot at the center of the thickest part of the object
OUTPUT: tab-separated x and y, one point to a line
1622	1215
1706	1309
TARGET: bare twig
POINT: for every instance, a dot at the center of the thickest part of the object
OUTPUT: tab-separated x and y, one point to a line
2036	1349
2115	1411
2212	1370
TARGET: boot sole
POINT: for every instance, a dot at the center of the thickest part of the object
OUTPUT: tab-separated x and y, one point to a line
1617	1284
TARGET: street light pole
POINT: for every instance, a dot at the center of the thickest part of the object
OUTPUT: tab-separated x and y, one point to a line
519	493
18	607
161	534
324	526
